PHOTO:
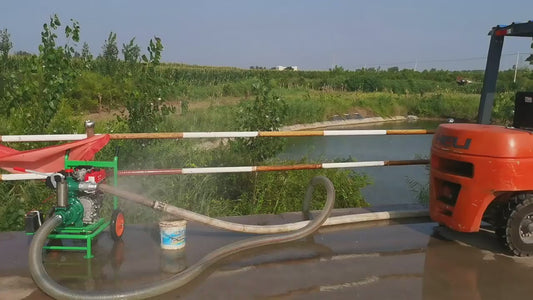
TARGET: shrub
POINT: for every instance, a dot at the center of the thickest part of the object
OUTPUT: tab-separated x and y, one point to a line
276	192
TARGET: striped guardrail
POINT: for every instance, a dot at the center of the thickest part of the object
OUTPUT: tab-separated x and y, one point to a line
248	169
221	134
244	169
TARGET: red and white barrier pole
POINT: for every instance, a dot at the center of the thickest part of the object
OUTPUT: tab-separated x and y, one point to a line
248	169
245	169
221	134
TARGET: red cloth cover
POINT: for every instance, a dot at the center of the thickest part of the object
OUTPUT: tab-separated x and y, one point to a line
51	159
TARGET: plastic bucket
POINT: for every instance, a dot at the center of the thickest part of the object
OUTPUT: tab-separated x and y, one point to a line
172	234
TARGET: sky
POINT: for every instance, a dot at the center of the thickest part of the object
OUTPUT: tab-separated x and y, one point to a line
310	34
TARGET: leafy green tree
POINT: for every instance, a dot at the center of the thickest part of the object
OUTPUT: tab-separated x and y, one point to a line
145	106
110	53
110	49
7	77
23	53
337	69
58	74
154	50
267	112
86	52
5	44
393	69
131	52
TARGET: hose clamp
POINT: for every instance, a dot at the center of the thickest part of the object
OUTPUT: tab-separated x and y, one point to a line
159	205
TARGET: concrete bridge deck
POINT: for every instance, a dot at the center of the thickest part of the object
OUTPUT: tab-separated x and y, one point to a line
414	259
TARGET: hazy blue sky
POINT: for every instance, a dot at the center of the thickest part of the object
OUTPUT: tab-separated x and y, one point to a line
310	34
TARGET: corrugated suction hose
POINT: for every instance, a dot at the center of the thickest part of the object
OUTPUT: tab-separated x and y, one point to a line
53	289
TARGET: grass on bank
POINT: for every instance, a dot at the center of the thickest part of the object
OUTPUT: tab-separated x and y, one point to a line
315	106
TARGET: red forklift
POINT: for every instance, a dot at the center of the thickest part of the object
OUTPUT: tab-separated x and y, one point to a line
482	172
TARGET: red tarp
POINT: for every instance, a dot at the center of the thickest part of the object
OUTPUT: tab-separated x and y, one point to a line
51	159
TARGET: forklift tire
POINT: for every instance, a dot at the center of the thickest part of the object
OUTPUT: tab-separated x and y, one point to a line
501	235
519	225
117	225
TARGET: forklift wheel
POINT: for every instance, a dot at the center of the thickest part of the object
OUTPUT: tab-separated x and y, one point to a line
117	225
519	229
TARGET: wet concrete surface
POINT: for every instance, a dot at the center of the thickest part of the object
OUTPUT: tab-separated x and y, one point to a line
414	259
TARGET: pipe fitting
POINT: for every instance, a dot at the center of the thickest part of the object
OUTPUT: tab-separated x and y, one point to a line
89	124
159	206
89	128
62	193
87	186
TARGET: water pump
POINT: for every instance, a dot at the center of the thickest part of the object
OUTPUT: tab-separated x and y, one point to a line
79	204
78	200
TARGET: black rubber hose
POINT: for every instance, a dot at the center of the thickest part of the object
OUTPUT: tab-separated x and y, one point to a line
53	289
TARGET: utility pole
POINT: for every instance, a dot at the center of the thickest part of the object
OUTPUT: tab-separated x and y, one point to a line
516	66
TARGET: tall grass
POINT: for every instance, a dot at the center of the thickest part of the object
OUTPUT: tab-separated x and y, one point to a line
313	106
233	193
305	106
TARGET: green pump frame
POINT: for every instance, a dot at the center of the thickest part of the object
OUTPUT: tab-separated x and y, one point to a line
85	232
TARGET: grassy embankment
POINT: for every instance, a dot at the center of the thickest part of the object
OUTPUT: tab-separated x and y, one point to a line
308	106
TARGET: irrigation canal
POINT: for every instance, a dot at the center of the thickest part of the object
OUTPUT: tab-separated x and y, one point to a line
390	185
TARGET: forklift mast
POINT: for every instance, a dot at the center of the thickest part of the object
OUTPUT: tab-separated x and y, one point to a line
497	34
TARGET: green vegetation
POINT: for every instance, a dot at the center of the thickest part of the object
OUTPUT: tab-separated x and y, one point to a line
54	90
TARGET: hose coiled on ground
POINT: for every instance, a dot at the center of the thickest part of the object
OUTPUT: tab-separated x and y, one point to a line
53	289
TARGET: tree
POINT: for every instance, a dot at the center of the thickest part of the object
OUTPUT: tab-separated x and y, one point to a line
23	53
5	44
110	49
393	69
267	113
131	52
58	73
337	69
145	105
154	50
86	52
110	53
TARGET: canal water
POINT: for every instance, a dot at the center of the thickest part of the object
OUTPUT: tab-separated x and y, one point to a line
390	185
